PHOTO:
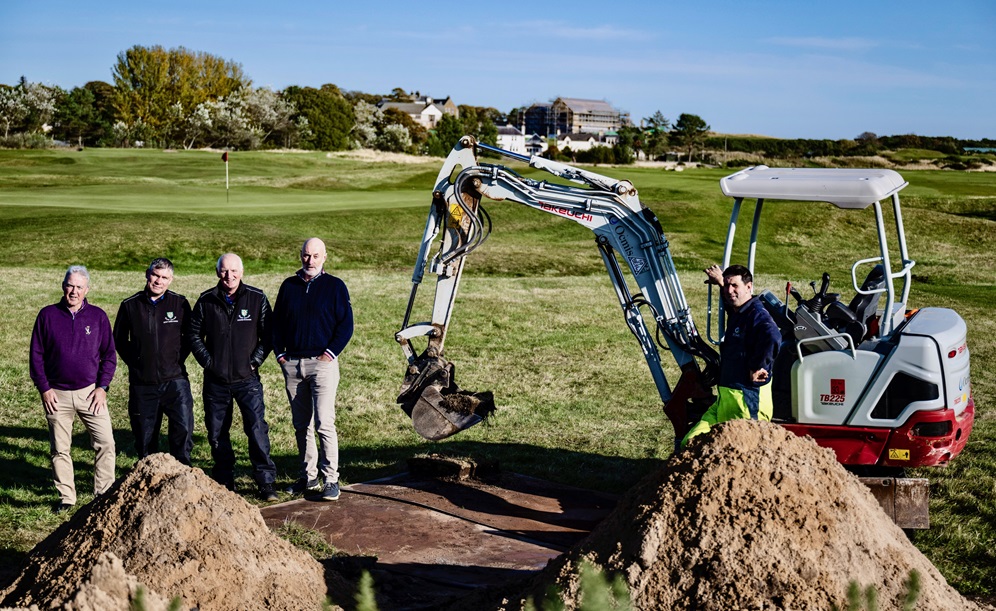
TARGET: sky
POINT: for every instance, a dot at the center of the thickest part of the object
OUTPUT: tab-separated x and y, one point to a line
789	69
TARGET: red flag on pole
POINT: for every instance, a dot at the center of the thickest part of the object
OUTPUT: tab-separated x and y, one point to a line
224	156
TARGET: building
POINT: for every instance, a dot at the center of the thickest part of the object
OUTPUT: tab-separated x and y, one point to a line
511	139
447	105
536	145
581	141
424	110
578	116
572	116
425	115
536	120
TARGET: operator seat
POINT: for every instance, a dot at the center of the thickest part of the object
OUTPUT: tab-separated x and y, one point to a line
854	318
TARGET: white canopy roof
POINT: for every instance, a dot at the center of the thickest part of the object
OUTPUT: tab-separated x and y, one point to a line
844	188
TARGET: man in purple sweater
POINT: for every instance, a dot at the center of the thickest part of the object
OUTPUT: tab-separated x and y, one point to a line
72	364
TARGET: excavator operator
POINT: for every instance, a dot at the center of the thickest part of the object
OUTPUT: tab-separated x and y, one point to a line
747	353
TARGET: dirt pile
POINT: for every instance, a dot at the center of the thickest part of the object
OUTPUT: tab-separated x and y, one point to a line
750	517
180	534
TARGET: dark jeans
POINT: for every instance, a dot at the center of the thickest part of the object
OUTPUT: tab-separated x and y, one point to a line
248	394
147	404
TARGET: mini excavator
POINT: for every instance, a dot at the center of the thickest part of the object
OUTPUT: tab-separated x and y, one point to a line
886	387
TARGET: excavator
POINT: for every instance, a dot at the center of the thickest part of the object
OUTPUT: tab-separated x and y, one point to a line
885	386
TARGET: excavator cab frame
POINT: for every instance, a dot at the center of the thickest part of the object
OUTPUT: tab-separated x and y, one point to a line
885	388
847	189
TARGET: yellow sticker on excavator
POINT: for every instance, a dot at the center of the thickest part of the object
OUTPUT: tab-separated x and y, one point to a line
456	215
899	454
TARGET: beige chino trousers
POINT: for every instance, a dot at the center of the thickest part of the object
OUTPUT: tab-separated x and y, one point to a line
60	434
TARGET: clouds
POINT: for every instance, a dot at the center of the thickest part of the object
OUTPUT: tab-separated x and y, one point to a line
823	43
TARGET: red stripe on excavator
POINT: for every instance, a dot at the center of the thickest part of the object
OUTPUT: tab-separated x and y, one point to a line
900	447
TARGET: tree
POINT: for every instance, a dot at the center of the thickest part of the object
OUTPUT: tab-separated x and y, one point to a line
161	87
74	115
329	117
417	134
448	133
13	108
100	131
399	95
394	138
867	144
630	141
480	122
655	135
26	107
368	116
689	132
516	117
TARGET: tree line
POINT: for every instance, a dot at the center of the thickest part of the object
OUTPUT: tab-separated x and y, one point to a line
179	98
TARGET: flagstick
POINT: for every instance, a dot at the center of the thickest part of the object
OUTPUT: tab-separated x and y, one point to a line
226	180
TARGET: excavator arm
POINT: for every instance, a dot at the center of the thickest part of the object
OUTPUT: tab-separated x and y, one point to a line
624	229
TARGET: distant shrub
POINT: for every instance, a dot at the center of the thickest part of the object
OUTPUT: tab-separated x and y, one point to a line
739	163
26	141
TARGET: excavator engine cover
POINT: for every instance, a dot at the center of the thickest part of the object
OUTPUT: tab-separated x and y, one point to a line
437	406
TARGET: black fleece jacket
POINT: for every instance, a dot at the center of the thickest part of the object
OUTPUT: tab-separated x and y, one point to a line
230	341
153	338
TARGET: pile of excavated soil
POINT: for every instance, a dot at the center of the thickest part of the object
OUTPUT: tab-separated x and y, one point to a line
179	534
749	517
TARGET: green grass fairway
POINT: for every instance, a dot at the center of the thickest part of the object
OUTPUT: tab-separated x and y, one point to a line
536	320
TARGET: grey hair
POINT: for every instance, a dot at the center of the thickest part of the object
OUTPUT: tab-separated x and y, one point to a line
160	263
217	266
76	269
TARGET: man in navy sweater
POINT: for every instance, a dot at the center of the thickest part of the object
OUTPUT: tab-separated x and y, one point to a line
72	364
312	323
747	354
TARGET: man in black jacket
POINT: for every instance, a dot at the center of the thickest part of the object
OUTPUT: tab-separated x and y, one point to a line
229	337
313	321
150	333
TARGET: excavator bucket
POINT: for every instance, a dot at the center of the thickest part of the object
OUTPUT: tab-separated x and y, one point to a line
437	406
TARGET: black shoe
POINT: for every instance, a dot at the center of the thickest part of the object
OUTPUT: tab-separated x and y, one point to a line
62	508
267	493
330	492
303	486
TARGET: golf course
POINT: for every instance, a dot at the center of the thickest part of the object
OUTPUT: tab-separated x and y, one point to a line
536	320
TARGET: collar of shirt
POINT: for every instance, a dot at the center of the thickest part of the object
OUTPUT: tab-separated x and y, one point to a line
65	306
307	280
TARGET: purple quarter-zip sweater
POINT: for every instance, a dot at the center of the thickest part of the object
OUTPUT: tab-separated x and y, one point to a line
68	351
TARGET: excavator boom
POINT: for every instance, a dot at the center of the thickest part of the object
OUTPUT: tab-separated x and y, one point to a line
624	229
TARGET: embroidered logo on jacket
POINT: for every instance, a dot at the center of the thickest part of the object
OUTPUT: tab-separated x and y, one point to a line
170	317
87	329
244	315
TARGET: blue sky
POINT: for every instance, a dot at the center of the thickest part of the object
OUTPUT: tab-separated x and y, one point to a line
797	69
